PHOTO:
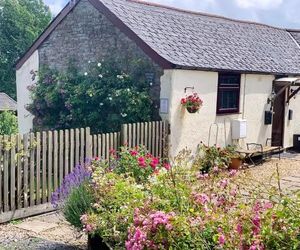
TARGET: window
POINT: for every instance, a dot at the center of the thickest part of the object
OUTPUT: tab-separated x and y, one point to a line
228	93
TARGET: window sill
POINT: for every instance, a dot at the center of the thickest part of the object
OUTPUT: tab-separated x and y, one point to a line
226	114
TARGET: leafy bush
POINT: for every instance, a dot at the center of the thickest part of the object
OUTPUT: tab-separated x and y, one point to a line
103	98
182	208
8	123
209	158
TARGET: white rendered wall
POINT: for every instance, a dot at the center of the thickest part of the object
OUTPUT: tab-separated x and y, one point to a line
24	79
188	130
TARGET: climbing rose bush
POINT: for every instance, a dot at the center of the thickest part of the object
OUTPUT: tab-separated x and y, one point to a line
102	98
181	207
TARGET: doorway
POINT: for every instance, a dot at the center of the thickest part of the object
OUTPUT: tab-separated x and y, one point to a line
278	118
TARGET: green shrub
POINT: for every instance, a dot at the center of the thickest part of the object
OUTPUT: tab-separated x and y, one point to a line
8	123
102	98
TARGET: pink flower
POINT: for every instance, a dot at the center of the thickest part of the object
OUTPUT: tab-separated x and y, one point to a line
154	162
112	152
84	219
256	225
133	152
142	162
268	205
223	183
201	198
232	173
233	192
221	239
216	169
239	228
167	166
201	176
89	228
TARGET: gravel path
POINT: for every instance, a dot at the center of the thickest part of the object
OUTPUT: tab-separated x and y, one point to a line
267	171
61	237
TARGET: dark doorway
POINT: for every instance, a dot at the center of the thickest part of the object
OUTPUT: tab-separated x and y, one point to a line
278	118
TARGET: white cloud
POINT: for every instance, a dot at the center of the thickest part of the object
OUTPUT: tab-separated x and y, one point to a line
259	4
56	5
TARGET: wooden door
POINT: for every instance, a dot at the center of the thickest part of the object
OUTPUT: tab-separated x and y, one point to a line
278	118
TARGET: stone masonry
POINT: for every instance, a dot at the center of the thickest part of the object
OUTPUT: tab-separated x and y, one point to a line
87	35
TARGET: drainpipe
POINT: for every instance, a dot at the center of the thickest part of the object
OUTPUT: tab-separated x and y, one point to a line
244	96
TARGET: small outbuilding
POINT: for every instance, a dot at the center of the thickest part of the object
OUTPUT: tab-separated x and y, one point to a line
234	66
7	103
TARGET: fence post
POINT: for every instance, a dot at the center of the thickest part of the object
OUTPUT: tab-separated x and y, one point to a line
88	143
124	137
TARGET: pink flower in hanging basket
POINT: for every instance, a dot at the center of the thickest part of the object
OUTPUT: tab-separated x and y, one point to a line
192	103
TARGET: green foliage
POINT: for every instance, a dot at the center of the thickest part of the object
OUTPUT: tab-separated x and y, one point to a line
78	203
8	123
21	21
102	98
209	157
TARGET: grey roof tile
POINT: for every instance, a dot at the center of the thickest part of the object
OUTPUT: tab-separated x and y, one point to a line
204	41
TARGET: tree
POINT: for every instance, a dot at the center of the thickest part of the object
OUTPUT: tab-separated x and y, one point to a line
102	98
8	123
21	21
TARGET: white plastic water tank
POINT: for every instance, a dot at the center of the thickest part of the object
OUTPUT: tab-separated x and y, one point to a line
238	129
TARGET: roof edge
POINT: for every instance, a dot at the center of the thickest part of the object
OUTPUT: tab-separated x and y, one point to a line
164	63
48	30
204	14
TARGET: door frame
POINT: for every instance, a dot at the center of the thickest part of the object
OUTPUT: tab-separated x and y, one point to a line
282	120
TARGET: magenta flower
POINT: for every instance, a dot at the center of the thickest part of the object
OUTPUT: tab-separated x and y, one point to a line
221	240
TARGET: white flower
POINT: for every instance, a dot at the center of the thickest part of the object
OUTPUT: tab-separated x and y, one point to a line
99	64
85	73
123	115
128	90
101	76
151	83
110	98
89	62
101	104
120	77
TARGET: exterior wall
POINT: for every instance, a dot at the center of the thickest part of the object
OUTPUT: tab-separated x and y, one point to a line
23	80
86	35
188	130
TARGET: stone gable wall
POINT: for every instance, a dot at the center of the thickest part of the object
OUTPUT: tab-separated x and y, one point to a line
87	35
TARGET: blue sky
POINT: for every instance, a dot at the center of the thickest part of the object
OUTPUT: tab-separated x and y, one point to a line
282	13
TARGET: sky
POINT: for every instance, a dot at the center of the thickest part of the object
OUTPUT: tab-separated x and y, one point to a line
281	13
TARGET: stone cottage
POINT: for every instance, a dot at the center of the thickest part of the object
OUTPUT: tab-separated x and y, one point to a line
245	72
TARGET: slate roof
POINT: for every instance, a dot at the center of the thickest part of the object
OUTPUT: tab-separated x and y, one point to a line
197	40
177	38
7	103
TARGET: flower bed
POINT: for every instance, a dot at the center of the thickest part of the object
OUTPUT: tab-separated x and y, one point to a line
137	201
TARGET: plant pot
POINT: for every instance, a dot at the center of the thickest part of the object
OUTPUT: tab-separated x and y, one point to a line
96	243
235	163
192	110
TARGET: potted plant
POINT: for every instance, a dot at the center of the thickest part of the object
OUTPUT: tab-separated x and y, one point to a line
192	103
236	160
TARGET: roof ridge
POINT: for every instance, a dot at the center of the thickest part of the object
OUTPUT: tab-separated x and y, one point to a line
205	14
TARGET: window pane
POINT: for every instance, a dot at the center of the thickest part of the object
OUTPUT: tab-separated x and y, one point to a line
228	99
229	79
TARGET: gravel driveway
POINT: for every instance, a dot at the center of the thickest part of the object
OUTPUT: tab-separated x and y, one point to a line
48	231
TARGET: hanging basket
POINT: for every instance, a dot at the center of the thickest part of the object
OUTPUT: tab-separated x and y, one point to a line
192	103
192	110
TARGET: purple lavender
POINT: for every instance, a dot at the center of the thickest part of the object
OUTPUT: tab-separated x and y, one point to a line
72	180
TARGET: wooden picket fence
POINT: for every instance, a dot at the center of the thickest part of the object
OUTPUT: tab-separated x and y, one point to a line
32	166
